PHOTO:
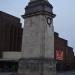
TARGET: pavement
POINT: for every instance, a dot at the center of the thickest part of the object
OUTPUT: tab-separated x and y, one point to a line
5	73
67	73
61	73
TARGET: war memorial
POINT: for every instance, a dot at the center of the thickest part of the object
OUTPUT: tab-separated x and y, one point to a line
37	56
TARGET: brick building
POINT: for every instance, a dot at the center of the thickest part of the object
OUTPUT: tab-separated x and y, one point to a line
69	57
10	32
65	58
10	40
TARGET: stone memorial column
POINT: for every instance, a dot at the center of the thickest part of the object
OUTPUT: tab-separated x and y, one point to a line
38	40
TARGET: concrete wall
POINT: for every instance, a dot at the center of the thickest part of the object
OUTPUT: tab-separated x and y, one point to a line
12	55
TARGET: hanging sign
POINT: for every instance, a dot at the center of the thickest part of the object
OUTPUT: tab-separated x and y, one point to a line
59	55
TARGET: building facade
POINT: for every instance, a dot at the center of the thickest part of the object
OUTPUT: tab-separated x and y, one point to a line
10	40
11	32
64	54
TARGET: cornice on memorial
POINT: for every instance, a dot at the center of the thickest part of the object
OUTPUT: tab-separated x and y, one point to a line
37	7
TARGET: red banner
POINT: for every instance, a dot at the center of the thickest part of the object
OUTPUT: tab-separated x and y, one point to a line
59	55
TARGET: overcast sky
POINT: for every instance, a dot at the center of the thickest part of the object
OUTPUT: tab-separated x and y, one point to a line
64	23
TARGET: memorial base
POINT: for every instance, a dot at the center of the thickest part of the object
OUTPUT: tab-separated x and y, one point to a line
37	66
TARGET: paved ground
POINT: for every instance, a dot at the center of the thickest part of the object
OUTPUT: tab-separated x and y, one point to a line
64	73
5	73
67	73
